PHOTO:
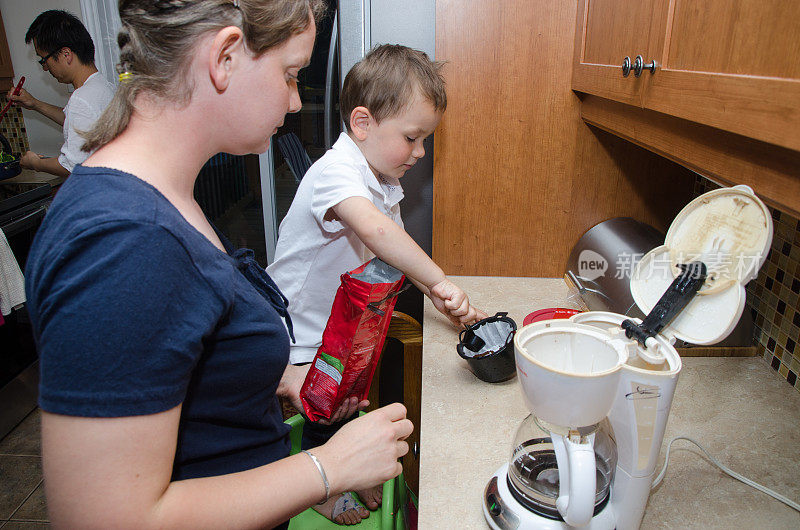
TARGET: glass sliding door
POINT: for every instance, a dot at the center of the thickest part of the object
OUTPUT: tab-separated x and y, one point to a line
228	189
305	135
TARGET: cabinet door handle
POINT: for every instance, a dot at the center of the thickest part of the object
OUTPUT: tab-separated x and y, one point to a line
626	66
639	66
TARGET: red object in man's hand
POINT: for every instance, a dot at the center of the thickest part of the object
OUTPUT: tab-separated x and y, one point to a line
16	93
19	85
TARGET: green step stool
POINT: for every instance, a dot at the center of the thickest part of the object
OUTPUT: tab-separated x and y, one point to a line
389	516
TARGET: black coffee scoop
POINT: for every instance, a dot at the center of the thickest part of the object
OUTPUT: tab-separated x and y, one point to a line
470	340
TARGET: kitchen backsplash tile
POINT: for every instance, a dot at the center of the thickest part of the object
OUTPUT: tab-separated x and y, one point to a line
774	297
12	127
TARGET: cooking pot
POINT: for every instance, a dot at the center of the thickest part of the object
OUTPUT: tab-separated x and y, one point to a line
9	163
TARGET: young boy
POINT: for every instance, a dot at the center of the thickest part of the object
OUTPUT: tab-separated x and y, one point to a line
347	210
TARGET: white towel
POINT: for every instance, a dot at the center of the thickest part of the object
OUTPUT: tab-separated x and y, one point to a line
12	283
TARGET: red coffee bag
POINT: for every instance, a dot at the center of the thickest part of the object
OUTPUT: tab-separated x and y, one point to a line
353	338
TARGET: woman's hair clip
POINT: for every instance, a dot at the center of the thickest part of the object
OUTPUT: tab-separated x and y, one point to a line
124	77
236	4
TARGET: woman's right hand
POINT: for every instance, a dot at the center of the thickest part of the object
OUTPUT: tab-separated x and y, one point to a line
365	451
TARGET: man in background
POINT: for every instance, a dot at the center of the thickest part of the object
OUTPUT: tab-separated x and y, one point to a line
66	50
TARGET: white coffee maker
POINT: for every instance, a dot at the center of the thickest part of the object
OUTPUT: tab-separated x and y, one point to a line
599	385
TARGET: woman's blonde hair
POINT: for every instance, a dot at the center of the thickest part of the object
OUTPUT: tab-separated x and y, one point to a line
386	80
157	41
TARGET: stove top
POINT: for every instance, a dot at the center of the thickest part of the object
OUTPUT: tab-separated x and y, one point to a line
14	195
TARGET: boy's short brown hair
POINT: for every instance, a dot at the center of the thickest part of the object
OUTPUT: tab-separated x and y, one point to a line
386	79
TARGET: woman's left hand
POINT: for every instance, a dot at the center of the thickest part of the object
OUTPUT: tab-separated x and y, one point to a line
292	382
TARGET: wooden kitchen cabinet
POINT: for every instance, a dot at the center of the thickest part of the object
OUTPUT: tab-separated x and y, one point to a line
609	31
734	66
724	99
6	69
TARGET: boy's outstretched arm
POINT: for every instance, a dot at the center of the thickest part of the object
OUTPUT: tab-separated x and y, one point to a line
393	245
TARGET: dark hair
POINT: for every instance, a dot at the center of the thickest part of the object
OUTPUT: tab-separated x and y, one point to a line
158	38
386	80
56	29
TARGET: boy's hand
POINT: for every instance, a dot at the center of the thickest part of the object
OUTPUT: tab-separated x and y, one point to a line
452	302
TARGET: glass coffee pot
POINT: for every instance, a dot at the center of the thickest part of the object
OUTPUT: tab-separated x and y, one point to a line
533	475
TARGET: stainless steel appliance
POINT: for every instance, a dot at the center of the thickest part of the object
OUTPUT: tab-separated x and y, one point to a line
22	208
600	263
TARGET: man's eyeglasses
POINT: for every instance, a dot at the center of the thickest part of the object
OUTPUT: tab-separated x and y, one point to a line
44	59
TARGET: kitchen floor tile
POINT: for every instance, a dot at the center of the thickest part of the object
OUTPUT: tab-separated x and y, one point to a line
34	508
25	439
20	476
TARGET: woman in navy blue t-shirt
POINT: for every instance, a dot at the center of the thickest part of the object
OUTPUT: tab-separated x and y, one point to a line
163	350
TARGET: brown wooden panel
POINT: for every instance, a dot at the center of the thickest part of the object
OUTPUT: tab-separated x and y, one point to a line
518	177
731	65
606	32
616	28
718	351
6	68
746	37
773	172
607	82
614	178
766	109
408	333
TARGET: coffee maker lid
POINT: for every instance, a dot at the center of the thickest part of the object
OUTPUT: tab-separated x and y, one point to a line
730	231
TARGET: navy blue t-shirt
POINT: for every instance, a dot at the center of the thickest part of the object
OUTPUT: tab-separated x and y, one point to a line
135	312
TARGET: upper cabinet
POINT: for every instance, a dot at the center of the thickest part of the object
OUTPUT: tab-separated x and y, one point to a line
611	33
6	70
731	65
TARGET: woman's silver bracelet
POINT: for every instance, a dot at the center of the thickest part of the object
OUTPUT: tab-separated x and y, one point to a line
322	473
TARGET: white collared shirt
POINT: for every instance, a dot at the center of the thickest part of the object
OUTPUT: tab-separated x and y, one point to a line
313	253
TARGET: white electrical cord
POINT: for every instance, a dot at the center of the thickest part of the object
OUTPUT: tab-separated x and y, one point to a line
730	472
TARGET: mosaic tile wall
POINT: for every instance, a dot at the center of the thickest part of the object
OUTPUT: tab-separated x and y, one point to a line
774	297
12	127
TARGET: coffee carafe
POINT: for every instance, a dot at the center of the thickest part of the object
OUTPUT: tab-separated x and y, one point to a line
600	385
533	471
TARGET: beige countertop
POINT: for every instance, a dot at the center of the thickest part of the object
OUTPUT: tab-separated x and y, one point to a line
738	408
30	176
